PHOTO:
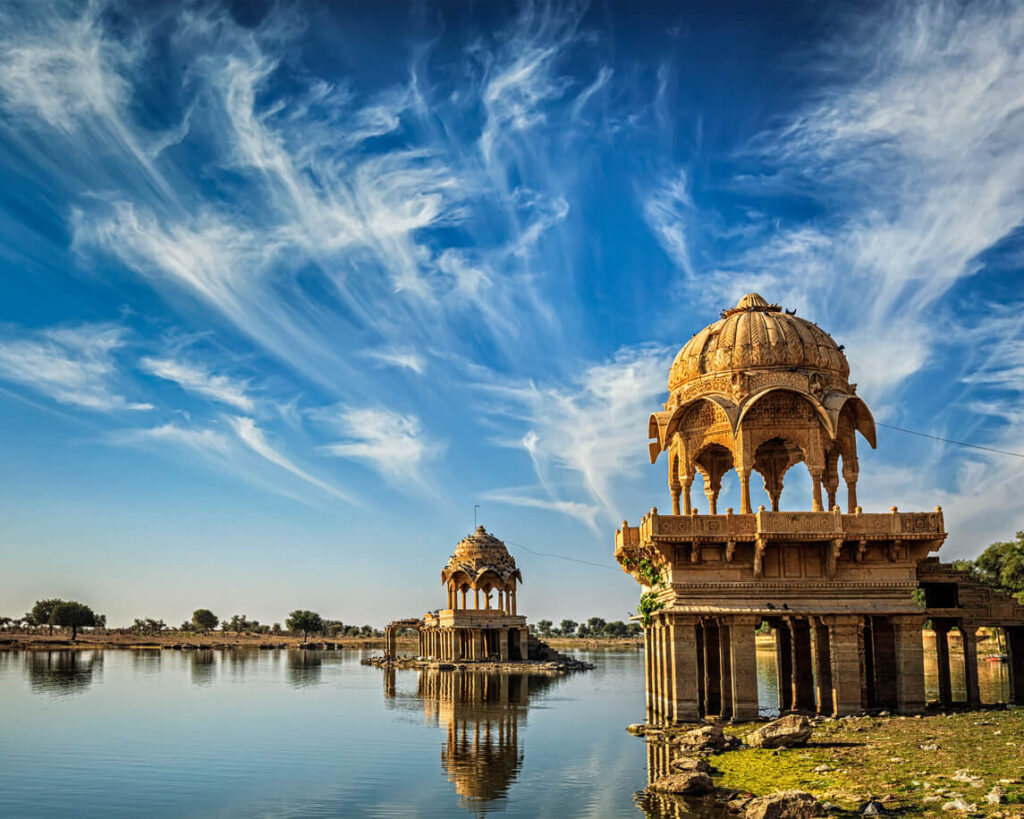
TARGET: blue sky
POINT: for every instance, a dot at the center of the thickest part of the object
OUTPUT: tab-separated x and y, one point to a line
286	289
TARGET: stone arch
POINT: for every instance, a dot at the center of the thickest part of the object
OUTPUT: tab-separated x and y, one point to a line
772	459
713	461
758	398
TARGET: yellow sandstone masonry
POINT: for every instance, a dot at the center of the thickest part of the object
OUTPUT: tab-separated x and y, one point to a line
845	592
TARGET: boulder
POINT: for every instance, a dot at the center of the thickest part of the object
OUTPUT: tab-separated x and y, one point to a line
784	805
691	783
690	764
705	738
785	732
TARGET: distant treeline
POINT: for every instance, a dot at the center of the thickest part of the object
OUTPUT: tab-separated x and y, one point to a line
70	614
594	627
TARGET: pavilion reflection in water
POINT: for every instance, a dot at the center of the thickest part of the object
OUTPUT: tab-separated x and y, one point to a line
481	714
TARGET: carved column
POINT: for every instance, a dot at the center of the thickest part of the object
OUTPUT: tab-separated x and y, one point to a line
744	491
941	628
687	483
683	663
816	492
503	645
456	644
844	647
675	489
970	635
744	667
478	644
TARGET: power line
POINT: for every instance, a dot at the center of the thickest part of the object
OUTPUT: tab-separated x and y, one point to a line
561	557
951	441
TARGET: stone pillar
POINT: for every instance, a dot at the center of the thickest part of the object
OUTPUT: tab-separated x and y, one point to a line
687	482
909	663
823	668
883	639
701	676
816	491
725	660
476	598
503	645
803	673
514	604
648	675
1015	652
675	490
659	672
941	628
478	645
457	644
970	633
743	663
745	508
683	663
851	494
784	665
844	647
712	670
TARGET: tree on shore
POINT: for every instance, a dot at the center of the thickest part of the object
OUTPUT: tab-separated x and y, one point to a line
1000	566
42	611
72	614
544	628
204	620
308	622
568	627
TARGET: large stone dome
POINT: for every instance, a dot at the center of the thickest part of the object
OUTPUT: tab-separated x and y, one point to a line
479	553
757	335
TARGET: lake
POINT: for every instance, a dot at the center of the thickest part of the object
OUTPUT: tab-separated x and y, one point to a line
315	734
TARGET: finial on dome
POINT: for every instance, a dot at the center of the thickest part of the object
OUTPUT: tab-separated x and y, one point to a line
480	529
751	300
750	303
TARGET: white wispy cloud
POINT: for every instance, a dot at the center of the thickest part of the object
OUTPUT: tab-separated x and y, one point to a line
74	365
203	440
590	428
585	513
392	443
668	210
403	359
193	377
254	438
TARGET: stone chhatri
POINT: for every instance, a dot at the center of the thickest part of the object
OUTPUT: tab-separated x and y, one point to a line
761	391
472	626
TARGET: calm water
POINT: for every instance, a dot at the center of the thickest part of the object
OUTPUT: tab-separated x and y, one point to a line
310	734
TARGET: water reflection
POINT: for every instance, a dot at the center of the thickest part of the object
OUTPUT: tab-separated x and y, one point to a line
481	714
304	668
203	667
62	673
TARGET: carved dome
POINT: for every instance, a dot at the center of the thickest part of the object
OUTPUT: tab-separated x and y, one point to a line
757	335
479	553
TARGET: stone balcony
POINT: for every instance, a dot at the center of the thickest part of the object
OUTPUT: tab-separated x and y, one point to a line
789	526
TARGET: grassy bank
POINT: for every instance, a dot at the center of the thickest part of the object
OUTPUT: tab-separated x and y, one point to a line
911	765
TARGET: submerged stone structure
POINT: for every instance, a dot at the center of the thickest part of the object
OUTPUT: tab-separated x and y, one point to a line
473	626
762	390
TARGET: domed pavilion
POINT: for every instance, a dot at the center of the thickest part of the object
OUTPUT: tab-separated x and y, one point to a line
762	390
480	620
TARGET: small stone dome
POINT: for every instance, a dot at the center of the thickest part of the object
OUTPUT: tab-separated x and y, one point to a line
755	334
479	553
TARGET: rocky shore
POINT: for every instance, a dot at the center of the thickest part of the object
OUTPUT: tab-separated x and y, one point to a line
942	764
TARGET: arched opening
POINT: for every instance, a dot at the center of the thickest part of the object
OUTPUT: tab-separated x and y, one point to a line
771	461
712	463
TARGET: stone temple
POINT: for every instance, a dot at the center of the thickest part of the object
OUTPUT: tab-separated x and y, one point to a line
845	592
479	621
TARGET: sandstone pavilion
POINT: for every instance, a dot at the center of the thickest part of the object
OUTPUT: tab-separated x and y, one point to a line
480	621
845	592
